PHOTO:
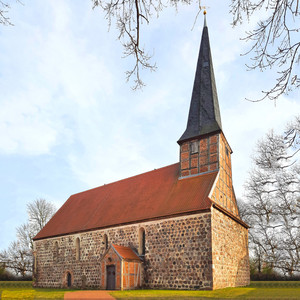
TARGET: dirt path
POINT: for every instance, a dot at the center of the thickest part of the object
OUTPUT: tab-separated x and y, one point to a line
82	295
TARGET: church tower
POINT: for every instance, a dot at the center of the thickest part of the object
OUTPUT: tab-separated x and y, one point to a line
203	146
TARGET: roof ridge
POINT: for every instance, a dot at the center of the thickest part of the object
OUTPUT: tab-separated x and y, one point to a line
114	182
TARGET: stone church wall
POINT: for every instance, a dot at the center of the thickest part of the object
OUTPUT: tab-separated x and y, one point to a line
230	252
178	254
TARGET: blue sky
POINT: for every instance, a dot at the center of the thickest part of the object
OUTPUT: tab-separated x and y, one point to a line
70	122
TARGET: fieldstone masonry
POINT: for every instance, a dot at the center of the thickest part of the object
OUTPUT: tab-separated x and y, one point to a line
181	253
230	254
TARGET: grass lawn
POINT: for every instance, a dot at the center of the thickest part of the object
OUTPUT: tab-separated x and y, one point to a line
257	290
24	290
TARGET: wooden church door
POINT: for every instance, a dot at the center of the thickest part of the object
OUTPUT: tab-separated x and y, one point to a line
111	276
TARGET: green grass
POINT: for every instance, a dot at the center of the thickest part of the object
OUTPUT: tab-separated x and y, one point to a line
257	290
24	290
166	294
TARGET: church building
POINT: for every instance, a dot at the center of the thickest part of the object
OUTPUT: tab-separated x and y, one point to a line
177	227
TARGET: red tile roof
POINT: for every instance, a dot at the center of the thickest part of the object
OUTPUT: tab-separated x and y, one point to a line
150	195
126	252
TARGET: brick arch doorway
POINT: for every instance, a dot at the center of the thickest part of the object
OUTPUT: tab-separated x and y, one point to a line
111	277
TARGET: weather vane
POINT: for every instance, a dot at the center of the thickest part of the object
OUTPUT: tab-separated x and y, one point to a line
203	7
204	13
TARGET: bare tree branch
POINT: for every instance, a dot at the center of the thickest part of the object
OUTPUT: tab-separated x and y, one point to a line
17	258
129	16
40	212
4	20
275	41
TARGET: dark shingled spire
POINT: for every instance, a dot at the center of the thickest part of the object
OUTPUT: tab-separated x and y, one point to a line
204	115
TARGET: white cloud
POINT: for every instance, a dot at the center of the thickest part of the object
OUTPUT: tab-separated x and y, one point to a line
24	129
52	78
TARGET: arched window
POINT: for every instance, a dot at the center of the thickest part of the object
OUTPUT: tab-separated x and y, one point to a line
77	249
142	241
55	252
105	241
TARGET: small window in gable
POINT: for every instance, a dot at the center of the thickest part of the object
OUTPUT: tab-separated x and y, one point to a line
194	147
77	249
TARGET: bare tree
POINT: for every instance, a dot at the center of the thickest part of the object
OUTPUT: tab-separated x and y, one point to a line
39	213
17	258
275	40
25	233
273	201
19	253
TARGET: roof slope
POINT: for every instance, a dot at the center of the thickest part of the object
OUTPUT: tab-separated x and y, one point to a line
126	252
204	115
147	196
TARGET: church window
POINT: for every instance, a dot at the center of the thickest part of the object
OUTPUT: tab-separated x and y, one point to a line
194	147
77	249
142	240
55	254
105	241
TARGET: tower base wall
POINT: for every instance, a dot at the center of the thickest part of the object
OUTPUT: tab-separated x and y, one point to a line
230	252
